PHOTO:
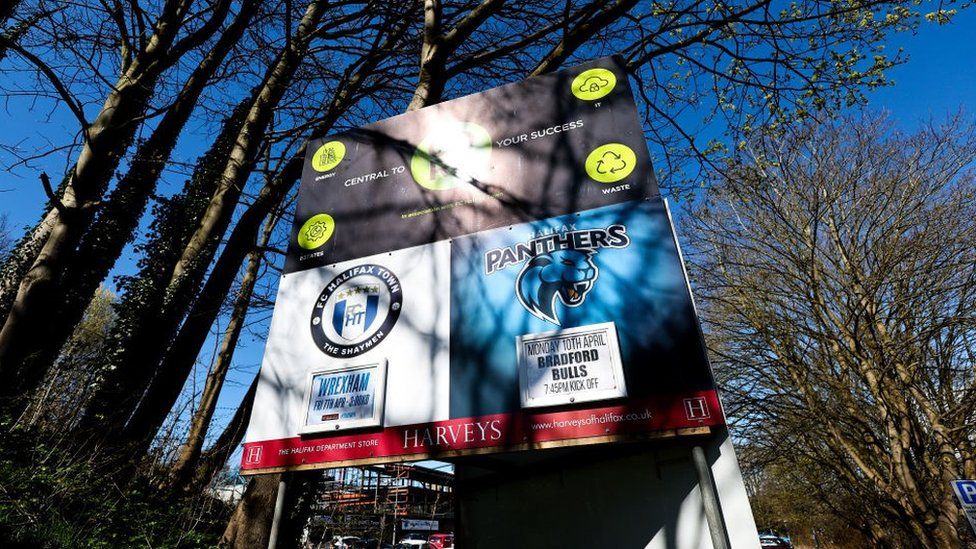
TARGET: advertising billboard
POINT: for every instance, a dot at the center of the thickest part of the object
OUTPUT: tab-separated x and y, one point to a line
523	151
467	279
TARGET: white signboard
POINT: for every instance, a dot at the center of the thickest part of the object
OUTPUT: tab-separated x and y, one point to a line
345	398
966	493
414	524
571	365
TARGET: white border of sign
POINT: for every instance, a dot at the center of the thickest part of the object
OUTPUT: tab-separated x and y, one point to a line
379	399
616	368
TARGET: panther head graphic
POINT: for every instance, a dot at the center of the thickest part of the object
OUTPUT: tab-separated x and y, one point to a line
566	274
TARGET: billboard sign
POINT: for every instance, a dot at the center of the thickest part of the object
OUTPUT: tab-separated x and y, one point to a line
520	292
419	524
529	150
569	366
345	398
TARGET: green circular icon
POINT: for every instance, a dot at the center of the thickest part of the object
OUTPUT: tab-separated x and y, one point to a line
451	154
316	231
328	156
594	84
610	163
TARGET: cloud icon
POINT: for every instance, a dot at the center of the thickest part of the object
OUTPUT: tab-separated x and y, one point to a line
610	162
593	84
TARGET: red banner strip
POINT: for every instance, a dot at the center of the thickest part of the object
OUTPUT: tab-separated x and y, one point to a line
501	431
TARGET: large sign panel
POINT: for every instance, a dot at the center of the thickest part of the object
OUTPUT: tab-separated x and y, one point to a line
525	151
496	273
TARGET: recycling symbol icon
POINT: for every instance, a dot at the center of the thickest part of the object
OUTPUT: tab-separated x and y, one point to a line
611	162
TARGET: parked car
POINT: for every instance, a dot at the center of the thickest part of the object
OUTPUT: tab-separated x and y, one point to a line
344	542
412	544
370	544
772	541
441	541
413	541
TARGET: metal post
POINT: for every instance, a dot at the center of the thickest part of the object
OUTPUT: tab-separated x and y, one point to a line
713	513
279	508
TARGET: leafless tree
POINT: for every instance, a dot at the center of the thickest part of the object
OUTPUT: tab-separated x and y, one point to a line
161	41
838	278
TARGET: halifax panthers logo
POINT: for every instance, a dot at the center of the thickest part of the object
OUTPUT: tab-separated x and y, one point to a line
566	275
558	267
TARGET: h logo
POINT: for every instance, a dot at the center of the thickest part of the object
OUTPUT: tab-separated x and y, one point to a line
696	408
253	455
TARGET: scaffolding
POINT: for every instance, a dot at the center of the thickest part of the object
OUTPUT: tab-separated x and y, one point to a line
371	502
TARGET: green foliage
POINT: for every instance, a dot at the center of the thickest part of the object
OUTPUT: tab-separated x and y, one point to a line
51	500
70	382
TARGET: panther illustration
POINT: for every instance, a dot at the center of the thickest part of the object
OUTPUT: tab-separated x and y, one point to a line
566	274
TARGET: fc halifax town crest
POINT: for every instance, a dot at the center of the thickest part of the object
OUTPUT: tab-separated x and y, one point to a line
356	310
558	266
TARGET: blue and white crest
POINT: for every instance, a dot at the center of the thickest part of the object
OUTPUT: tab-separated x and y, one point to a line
355	311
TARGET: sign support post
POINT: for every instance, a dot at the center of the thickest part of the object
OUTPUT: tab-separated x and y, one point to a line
706	485
278	510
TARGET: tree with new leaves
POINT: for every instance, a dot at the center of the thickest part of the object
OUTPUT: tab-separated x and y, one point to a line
837	273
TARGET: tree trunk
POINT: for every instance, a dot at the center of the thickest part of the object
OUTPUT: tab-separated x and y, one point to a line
122	385
189	453
154	327
250	524
214	458
180	358
119	217
106	140
22	256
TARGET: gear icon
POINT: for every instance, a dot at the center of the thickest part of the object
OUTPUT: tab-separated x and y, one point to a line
316	230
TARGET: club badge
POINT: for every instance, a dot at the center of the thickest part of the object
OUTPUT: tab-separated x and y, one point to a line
356	311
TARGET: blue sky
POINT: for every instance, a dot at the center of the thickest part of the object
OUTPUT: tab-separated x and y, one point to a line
940	75
939	78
